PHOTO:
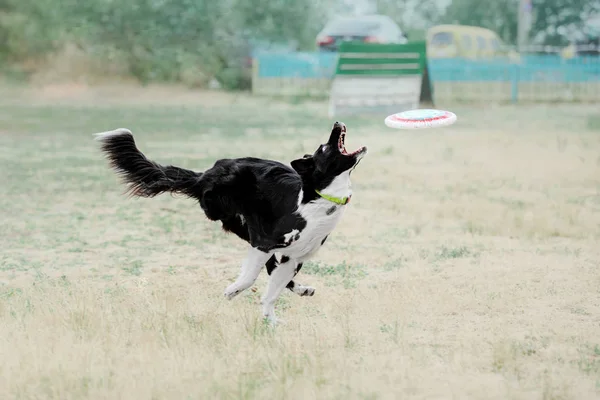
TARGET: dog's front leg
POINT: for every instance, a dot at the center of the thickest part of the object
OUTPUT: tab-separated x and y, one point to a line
280	277
255	260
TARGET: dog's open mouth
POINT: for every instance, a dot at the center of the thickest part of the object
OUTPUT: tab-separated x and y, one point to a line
342	145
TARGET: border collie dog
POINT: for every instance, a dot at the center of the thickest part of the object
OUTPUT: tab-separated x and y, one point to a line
284	213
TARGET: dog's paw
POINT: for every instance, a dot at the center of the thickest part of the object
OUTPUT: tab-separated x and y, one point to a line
232	291
291	237
308	291
304	290
272	320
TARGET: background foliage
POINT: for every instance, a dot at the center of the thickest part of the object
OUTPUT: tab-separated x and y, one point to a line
157	39
502	17
195	41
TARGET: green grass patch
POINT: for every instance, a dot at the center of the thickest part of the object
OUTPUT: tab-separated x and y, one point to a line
343	273
594	122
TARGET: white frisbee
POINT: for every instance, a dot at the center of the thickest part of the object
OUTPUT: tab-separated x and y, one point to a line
420	119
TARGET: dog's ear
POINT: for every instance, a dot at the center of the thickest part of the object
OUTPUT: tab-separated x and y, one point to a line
304	165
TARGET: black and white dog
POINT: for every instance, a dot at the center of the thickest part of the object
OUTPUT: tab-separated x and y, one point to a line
285	214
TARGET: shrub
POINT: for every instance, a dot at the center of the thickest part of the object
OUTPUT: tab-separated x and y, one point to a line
178	40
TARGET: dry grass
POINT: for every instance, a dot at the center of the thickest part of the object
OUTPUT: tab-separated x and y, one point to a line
465	267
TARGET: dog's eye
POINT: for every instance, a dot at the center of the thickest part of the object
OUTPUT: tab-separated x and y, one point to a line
324	148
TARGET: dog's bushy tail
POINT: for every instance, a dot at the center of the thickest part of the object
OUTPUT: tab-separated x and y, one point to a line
144	177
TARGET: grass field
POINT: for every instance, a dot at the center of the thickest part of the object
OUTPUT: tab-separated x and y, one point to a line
466	265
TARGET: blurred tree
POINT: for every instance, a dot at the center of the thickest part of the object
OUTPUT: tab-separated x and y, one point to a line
410	15
160	40
498	15
551	15
501	16
27	28
395	9
283	20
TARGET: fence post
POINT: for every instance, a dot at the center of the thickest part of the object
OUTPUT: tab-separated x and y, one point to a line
253	87
514	83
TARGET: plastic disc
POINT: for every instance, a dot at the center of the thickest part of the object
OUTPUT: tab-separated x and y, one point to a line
420	119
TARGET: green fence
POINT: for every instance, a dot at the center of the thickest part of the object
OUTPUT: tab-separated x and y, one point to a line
377	77
381	59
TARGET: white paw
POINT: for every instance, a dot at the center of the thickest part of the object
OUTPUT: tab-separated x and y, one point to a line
232	291
272	320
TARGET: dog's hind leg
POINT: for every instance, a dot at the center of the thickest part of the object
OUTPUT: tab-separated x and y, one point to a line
300	290
255	260
280	278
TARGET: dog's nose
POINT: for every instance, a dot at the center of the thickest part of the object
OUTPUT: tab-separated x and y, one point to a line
340	125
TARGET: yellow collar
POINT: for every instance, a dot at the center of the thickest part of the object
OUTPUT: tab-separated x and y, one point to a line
337	200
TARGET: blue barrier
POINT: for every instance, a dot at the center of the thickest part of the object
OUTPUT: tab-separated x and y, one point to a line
457	70
531	68
296	65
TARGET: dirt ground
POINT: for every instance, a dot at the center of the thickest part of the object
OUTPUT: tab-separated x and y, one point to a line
466	265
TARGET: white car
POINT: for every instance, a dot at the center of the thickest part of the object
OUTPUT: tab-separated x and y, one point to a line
364	28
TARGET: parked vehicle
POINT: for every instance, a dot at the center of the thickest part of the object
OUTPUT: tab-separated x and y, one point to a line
365	28
468	42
